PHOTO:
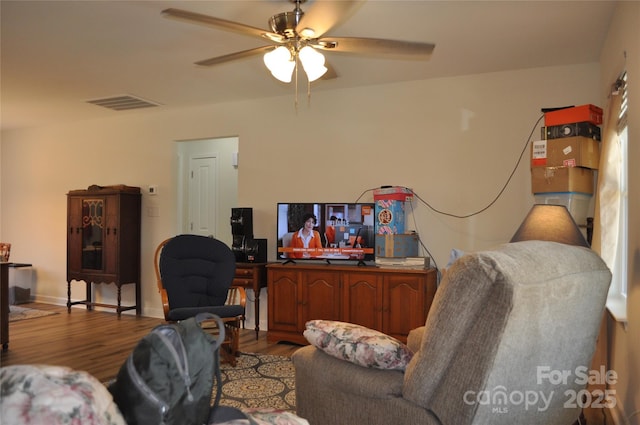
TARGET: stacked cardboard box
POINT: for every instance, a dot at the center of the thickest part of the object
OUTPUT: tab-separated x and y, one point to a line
564	162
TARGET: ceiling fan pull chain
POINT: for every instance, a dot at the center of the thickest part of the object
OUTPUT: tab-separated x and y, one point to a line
296	78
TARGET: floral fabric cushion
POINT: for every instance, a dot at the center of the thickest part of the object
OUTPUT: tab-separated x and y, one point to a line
357	344
52	395
265	416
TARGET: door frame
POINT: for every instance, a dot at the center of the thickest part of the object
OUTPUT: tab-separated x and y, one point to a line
226	151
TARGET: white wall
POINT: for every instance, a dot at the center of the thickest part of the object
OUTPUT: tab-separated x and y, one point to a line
454	141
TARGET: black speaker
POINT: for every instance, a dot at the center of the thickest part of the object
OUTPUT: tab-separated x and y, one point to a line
242	231
238	247
256	251
242	222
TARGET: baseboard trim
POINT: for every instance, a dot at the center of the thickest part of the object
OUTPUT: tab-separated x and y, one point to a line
149	312
49	300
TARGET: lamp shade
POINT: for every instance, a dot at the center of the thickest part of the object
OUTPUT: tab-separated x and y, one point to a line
312	62
280	63
550	223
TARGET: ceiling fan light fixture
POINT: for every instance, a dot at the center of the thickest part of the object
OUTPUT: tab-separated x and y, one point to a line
312	62
280	63
307	33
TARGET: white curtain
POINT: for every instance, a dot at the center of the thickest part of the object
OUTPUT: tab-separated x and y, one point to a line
608	195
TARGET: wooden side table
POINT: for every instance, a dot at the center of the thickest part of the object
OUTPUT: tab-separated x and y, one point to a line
252	276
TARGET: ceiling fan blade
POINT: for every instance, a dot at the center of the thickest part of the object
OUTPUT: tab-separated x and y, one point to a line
376	46
323	15
331	72
233	56
199	18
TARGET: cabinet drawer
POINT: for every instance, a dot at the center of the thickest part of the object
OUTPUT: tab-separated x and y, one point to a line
244	276
244	273
242	282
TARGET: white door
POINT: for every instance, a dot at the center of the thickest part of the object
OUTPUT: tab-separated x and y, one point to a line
203	195
204	202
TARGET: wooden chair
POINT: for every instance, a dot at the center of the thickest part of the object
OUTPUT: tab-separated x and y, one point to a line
194	274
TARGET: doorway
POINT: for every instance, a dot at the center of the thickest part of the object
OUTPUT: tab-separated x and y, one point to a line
207	186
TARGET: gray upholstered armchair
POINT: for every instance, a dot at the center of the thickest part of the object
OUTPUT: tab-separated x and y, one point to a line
504	326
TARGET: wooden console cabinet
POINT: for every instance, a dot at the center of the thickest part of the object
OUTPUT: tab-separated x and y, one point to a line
103	241
389	300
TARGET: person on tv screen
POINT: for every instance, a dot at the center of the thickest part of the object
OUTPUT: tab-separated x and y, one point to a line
306	237
331	231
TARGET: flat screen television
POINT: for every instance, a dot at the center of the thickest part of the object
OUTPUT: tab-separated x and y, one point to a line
346	231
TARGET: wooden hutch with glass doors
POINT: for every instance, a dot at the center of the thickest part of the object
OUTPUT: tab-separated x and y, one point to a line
103	242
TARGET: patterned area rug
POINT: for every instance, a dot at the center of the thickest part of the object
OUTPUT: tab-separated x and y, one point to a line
259	380
21	313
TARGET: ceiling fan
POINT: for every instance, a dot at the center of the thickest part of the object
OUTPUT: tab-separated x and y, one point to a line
297	36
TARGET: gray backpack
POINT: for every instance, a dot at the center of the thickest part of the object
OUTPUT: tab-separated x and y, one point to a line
168	378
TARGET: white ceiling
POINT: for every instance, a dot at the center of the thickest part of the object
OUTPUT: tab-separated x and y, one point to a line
56	55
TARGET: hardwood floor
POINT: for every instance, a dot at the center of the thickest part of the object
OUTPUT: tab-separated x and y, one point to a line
96	341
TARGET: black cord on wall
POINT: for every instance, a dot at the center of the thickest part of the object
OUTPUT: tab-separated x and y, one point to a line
489	205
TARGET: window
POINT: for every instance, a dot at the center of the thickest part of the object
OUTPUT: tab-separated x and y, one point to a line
616	255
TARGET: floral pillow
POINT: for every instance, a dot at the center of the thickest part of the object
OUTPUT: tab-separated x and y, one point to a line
268	416
357	344
55	395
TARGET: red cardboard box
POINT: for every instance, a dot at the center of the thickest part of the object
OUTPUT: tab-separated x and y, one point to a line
578	151
396	193
584	113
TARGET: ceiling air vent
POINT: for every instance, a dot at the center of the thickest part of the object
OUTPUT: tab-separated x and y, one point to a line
123	103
